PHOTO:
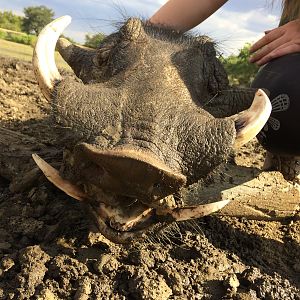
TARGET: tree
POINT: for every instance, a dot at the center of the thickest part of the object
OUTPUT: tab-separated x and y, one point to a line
239	70
36	17
93	41
10	21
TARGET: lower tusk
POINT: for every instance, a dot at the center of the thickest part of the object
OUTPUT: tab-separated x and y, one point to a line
188	213
120	221
250	122
43	57
54	177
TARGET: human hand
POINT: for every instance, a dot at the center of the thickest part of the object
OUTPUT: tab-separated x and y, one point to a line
277	42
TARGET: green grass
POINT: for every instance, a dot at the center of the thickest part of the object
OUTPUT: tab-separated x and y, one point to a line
24	52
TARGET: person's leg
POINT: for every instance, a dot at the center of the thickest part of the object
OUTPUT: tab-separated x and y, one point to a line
281	135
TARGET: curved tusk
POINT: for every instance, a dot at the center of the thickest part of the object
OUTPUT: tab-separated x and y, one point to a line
43	56
250	122
124	221
188	213
54	177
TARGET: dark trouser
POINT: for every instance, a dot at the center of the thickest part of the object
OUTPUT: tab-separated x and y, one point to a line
281	77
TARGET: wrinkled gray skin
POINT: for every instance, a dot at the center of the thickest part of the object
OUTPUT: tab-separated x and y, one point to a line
155	94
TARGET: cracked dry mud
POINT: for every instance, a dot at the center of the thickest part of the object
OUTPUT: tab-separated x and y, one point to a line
50	250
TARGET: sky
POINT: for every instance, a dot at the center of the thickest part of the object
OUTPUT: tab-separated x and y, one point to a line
236	23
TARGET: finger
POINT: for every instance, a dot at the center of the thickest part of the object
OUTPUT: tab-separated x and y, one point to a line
268	31
267	49
285	49
268	38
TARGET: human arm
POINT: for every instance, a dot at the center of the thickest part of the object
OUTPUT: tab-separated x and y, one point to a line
277	42
183	15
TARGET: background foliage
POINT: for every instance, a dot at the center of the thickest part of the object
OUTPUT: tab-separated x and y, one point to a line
24	30
36	17
94	40
240	71
18	37
10	21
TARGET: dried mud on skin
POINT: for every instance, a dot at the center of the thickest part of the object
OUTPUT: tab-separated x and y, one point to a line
49	248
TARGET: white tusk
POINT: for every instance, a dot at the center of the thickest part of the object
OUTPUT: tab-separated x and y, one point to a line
188	213
43	56
53	176
250	122
123	221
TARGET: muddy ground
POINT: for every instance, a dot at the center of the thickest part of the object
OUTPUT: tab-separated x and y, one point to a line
49	249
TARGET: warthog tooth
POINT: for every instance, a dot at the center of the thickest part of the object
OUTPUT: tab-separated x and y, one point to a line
53	176
188	213
124	222
43	57
250	122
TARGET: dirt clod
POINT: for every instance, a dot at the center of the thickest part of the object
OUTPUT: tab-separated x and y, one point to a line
106	264
141	281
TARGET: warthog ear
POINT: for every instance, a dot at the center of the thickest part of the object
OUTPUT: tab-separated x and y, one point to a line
79	58
206	44
132	172
69	50
133	30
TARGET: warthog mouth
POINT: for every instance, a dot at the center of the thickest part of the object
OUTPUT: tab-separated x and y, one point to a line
128	218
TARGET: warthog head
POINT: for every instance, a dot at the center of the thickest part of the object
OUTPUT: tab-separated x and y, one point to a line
151	113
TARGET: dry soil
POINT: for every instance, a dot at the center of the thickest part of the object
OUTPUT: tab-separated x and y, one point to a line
49	248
